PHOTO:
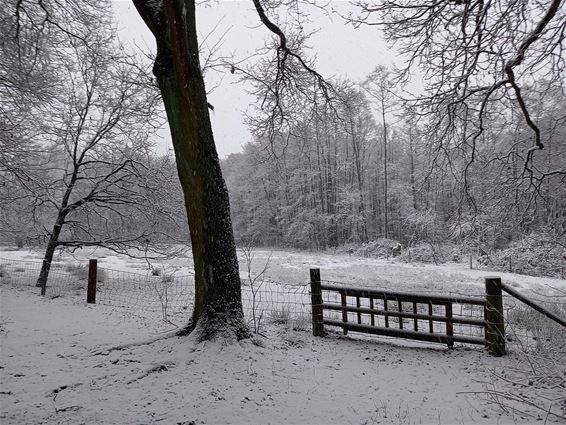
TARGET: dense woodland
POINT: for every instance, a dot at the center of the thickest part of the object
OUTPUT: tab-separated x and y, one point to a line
357	166
457	154
377	170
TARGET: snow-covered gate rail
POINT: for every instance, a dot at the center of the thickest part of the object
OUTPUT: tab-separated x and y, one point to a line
424	317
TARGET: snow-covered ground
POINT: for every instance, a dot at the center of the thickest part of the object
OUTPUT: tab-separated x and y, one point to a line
59	366
282	291
63	361
292	267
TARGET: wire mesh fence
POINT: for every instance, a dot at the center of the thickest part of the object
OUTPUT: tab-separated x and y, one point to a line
167	296
64	278
529	330
276	302
170	297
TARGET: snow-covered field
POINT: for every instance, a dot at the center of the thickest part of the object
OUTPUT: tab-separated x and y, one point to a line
292	267
58	366
63	361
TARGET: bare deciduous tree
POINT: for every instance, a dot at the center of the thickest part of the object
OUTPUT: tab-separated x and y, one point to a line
379	85
179	74
472	54
88	142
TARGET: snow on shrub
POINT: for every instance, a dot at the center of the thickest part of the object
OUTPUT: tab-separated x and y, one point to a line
424	252
379	248
535	257
421	253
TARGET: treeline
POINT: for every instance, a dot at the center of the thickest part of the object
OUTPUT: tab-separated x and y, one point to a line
372	168
350	165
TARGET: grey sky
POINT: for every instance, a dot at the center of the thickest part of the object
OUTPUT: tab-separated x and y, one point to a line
341	50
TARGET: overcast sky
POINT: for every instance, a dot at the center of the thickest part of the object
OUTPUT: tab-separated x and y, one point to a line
340	49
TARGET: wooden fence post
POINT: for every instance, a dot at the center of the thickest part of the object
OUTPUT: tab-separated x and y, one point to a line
495	326
316	303
91	288
449	324
344	304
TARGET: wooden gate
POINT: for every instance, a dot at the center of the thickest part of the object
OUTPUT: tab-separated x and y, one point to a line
415	316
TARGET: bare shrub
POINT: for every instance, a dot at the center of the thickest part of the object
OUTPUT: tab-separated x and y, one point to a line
256	281
162	288
378	248
80	271
77	270
281	316
302	322
423	253
537	259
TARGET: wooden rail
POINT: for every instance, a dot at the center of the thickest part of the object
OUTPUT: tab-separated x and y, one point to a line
492	323
402	296
407	334
532	304
407	315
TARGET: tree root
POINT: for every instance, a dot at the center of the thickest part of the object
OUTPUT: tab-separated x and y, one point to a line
136	344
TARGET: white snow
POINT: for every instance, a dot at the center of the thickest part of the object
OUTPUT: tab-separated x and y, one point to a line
57	367
292	267
59	363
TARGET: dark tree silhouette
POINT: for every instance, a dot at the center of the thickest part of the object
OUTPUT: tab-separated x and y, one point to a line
218	304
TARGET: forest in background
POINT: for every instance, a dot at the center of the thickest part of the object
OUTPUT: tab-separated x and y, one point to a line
377	172
350	166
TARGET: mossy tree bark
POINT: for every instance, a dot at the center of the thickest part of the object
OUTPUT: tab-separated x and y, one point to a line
218	303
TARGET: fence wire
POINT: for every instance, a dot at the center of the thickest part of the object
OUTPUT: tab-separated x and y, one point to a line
167	296
64	278
529	330
275	302
170	297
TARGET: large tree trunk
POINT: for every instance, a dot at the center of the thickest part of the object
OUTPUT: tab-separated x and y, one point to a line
218	303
